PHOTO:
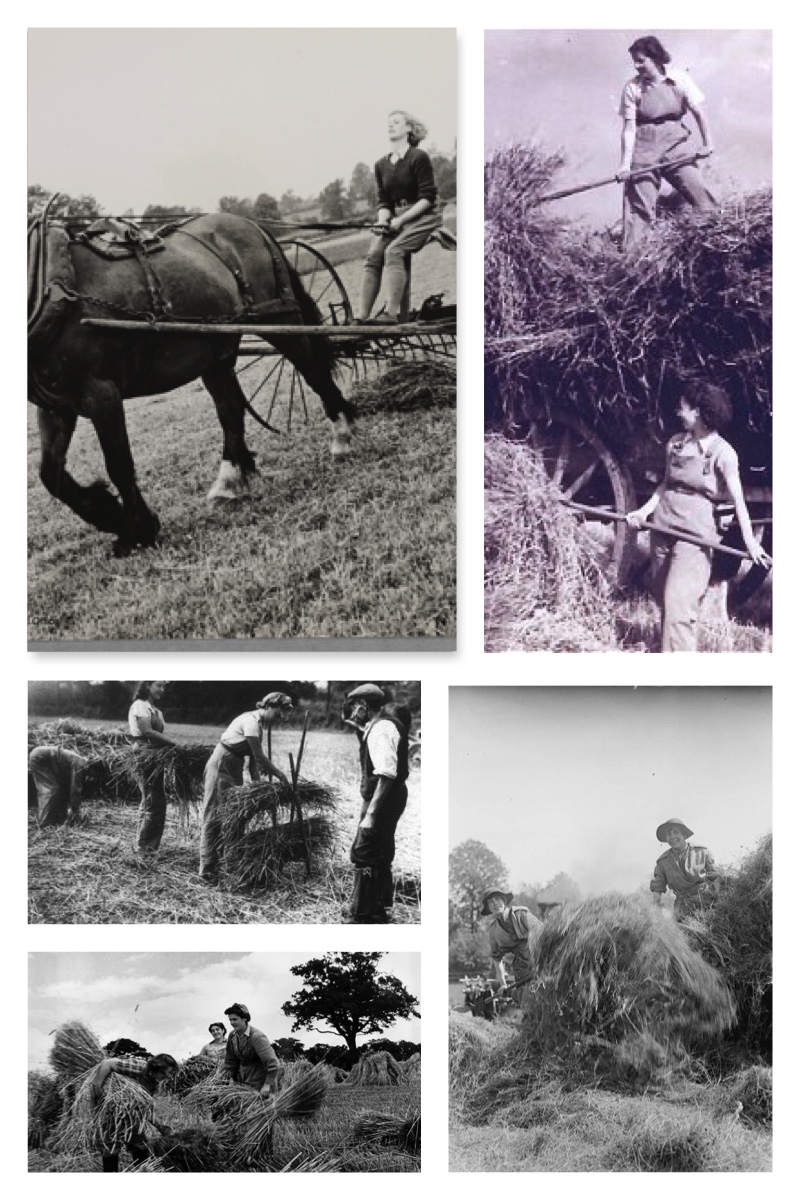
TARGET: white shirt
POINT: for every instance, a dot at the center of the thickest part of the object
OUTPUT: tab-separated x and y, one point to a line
634	89
144	716
383	739
248	725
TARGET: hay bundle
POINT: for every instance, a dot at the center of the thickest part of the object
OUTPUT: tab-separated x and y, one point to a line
257	839
571	321
409	387
378	1069
615	971
191	1072
75	1051
544	570
411	1069
124	1109
735	934
178	769
105	749
44	1107
386	1129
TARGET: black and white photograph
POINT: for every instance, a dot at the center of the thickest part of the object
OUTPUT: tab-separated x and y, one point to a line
610	975
242	338
158	802
224	1062
628	340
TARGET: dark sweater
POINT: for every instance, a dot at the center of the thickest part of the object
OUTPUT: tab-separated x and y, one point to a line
410	179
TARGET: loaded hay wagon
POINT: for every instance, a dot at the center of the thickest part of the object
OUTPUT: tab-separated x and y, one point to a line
117	311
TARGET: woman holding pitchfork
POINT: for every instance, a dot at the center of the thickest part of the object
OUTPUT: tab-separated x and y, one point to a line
225	769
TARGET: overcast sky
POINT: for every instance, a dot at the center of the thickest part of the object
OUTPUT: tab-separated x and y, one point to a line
561	88
577	779
178	995
185	116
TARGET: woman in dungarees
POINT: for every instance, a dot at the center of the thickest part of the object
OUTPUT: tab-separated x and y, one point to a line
146	728
408	213
702	469
652	108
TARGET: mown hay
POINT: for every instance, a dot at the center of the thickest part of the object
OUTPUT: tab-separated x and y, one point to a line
411	1068
178	769
379	1069
125	1108
614	972
544	578
571	321
44	1107
735	935
191	1148
387	1129
409	387
191	1072
752	1089
75	1051
105	749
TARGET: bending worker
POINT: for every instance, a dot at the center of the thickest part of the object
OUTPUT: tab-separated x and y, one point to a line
510	932
225	769
149	1073
689	871
58	775
383	751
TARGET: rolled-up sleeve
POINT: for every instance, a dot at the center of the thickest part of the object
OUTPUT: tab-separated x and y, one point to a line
629	101
659	881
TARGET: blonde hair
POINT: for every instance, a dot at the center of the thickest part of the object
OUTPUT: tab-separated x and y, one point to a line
417	130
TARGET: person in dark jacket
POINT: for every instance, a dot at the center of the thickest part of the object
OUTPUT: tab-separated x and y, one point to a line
408	213
249	1057
382	732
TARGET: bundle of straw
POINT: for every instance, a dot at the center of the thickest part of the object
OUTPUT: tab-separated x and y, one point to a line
75	1051
105	749
44	1107
191	1072
124	1109
379	1069
408	387
384	1128
411	1069
178	769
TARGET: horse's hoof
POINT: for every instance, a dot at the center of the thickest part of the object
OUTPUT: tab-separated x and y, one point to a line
122	549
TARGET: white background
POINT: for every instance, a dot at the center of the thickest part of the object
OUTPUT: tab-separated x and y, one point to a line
467	666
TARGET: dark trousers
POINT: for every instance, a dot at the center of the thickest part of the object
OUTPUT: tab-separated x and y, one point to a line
372	854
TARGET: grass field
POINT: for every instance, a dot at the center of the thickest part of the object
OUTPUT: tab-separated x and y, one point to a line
322	1142
90	874
361	547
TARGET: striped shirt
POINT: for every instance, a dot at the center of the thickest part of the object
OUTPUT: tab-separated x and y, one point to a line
135	1067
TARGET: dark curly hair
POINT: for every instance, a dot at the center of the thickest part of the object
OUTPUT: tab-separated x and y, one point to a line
711	402
142	689
651	47
217	1025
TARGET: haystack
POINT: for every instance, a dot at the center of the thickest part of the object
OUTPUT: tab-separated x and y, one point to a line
614	972
411	1069
544	577
378	1069
409	387
735	935
572	322
260	833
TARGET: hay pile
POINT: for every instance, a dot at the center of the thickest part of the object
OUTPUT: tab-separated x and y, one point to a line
106	1125
545	586
409	387
617	976
386	1129
259	835
44	1107
105	749
179	770
411	1069
378	1069
735	935
752	1089
569	320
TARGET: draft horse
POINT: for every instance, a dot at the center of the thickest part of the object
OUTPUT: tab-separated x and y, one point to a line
209	269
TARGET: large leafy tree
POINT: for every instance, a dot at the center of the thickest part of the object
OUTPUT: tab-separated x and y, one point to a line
349	995
334	202
473	868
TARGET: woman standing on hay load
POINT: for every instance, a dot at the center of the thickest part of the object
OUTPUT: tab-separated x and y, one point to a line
215	1049
225	769
383	751
689	871
510	932
58	775
149	1073
408	214
249	1057
146	727
652	109
702	469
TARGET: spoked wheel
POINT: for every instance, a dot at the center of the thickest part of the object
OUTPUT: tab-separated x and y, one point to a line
587	471
269	381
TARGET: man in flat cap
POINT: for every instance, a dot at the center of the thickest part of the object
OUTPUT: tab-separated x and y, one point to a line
249	1056
689	871
382	732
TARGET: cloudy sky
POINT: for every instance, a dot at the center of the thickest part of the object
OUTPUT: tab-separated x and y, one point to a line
178	996
561	88
190	115
577	779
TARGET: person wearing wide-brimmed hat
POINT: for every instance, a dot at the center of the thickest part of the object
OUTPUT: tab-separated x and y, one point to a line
225	769
510	933
249	1056
382	732
689	871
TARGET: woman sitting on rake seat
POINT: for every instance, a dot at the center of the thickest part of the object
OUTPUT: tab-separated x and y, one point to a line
146	728
149	1073
652	109
215	1049
408	213
702	469
688	871
225	769
58	775
510	932
249	1057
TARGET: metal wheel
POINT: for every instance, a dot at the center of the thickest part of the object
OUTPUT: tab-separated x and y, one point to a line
268	379
579	462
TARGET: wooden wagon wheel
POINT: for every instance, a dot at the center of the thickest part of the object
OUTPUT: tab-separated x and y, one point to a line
583	467
268	379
